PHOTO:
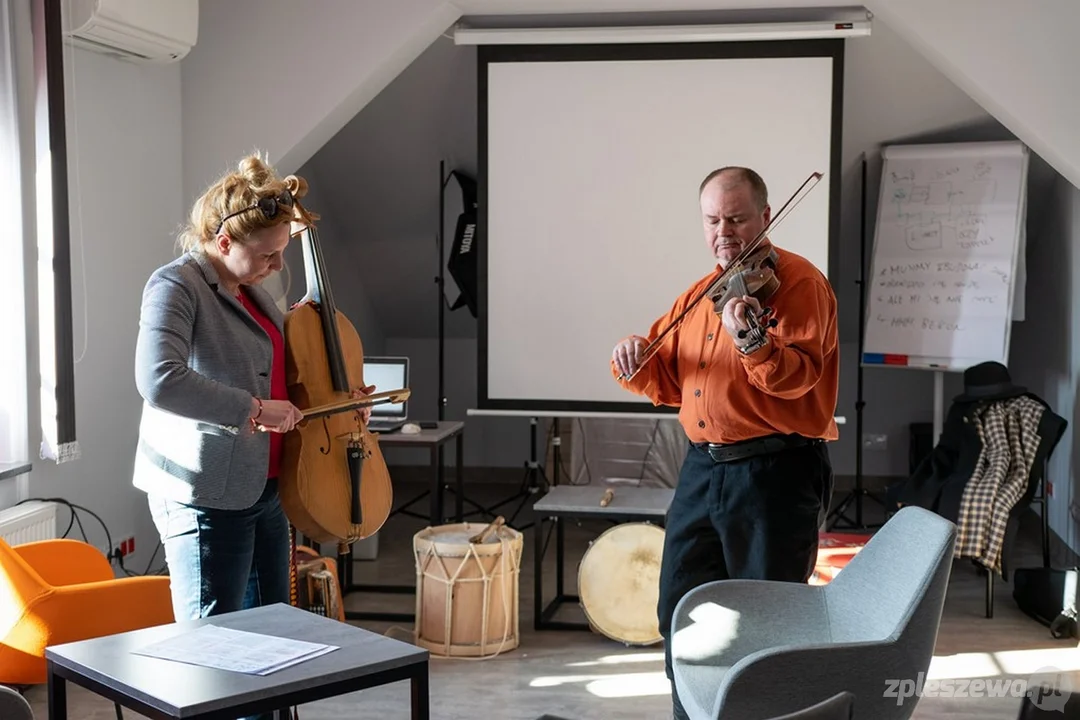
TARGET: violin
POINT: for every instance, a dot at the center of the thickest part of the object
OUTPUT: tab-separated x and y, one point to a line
334	482
752	273
756	279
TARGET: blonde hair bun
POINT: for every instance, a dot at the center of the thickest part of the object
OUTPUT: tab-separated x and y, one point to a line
256	171
236	191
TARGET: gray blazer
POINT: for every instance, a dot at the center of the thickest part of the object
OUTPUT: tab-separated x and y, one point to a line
199	359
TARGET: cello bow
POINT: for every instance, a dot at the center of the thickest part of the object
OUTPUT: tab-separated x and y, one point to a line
390	397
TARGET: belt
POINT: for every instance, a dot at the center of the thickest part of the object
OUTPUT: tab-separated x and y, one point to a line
722	453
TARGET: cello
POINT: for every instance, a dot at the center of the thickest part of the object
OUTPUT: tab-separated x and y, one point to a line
334	483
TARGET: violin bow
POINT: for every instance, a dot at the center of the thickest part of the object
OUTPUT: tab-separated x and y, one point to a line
733	266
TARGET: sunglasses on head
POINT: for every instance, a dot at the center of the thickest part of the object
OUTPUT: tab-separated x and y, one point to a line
269	206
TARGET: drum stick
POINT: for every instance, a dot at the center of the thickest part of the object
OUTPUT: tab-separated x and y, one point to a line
608	495
484	534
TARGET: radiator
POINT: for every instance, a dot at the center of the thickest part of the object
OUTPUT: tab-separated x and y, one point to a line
28	522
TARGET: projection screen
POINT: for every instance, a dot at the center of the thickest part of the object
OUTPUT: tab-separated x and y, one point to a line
590	158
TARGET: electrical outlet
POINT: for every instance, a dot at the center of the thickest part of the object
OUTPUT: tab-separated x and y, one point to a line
124	546
875	441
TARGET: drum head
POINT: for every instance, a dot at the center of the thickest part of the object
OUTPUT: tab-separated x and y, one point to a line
619	583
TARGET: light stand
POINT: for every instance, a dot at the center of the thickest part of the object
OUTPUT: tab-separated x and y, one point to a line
440	281
858	493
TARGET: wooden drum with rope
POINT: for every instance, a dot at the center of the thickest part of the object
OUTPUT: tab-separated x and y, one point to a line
467	589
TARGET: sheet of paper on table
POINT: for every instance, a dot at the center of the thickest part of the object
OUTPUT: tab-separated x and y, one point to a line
236	650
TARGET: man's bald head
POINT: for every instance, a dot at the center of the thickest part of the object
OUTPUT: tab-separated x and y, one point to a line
734	211
733	175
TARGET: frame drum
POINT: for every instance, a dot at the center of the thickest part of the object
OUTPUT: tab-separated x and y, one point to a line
619	583
467	589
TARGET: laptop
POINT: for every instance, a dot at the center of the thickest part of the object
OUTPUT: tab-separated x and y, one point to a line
387	373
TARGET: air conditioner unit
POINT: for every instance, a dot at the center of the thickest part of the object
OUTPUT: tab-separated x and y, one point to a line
159	31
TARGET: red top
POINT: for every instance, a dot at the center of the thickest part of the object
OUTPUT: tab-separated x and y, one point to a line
278	390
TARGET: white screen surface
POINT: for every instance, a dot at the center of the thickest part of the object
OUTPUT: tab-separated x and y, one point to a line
591	224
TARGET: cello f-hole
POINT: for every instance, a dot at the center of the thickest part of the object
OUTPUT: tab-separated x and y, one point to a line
326	429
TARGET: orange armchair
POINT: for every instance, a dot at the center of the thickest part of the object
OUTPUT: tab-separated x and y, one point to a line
59	591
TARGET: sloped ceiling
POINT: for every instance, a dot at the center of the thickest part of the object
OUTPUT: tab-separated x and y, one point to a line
380	184
370	96
1017	58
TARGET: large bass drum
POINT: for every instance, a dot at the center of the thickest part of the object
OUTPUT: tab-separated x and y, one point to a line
619	583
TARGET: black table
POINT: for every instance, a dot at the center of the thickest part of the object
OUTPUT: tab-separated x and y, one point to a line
434	439
160	688
629	504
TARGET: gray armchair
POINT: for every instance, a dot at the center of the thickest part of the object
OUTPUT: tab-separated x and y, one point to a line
752	649
840	706
14	706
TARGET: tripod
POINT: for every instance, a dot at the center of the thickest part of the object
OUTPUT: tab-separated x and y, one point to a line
534	479
856	496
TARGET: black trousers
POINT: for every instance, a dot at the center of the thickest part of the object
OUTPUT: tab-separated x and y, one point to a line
755	518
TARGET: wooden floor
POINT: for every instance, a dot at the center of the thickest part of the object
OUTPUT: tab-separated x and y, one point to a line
581	675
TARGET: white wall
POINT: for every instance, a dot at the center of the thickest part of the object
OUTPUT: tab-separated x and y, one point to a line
125	201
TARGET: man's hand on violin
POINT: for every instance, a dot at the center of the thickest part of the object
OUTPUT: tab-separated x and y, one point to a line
627	354
734	318
365	412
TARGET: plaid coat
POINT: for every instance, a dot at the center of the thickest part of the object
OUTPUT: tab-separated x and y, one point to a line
985	470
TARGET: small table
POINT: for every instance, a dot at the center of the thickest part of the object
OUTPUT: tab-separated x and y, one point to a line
434	439
628	504
160	688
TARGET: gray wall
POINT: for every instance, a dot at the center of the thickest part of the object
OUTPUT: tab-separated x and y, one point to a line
383	166
1045	353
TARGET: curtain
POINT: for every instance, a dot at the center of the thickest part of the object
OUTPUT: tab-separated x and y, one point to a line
14	197
56	361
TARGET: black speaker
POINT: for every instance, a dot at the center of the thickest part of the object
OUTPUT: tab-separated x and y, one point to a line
462	262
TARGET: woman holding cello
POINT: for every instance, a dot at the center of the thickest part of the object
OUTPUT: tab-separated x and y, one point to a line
210	364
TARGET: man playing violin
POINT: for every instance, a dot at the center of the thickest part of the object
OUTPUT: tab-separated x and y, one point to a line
756	481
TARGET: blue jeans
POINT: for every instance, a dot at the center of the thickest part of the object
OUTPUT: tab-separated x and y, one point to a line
224	560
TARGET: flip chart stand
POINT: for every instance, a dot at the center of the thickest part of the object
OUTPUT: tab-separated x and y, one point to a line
939	404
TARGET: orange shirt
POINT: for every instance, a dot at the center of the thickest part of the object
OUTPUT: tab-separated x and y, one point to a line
787	387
